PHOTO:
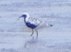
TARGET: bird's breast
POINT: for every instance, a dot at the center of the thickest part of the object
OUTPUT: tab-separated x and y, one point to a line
30	25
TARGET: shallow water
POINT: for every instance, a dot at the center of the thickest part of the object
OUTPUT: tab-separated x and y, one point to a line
14	33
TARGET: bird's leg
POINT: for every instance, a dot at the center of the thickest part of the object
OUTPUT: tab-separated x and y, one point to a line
36	33
32	32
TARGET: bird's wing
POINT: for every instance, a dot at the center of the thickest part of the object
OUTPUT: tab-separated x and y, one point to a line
34	21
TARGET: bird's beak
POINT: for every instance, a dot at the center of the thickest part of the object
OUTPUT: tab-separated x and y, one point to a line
18	19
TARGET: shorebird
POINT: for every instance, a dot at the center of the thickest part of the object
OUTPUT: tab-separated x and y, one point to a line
32	23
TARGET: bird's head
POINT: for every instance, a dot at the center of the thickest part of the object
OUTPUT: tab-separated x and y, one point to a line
24	15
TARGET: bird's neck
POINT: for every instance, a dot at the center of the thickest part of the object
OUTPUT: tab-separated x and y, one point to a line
24	19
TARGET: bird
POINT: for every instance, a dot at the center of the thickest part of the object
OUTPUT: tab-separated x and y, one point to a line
31	23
